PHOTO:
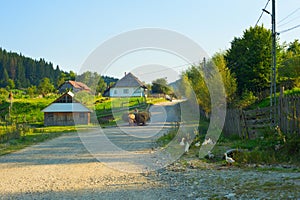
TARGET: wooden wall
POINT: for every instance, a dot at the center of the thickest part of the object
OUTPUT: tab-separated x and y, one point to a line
66	118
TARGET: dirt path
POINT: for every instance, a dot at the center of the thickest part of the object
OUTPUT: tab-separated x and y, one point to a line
64	169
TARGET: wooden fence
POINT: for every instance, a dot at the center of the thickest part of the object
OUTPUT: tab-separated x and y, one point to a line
251	123
289	114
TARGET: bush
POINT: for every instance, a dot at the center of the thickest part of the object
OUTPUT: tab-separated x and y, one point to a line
272	148
247	99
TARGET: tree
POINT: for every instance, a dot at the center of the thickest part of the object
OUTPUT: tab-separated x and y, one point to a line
160	85
72	75
45	86
101	87
293	49
249	59
91	79
61	79
289	70
32	91
228	79
24	71
195	76
183	87
10	84
4	78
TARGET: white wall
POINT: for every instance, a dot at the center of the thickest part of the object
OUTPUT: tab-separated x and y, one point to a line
126	92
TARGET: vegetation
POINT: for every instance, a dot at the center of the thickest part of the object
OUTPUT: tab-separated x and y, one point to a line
272	148
249	58
40	76
29	136
22	125
161	86
244	70
95	81
18	71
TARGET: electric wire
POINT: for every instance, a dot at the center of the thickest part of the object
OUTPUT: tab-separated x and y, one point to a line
262	13
298	17
289	29
296	10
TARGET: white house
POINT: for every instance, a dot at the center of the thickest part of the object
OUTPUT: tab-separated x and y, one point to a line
128	86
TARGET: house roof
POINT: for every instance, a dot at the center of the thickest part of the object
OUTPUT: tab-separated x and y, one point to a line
63	104
66	107
78	85
129	80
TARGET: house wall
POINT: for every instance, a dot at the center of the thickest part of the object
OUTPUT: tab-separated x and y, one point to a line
66	119
126	92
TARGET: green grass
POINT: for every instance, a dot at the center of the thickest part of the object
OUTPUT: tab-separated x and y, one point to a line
272	148
164	140
26	109
34	136
266	102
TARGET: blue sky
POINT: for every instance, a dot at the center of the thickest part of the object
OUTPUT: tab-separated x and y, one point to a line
65	32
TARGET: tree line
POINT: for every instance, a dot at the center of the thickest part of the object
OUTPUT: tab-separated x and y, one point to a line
40	76
18	71
245	69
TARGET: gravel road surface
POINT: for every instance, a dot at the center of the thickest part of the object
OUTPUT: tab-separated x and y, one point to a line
63	168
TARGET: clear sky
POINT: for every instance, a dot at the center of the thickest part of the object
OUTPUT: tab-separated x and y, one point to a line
65	32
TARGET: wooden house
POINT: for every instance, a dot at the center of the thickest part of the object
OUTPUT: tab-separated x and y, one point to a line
73	86
128	86
66	111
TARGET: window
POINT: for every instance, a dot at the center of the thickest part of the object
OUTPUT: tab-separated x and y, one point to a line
65	99
115	92
125	91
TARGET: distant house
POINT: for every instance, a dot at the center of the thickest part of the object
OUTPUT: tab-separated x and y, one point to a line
66	111
73	86
128	86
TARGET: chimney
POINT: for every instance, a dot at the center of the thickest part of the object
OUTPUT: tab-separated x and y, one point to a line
125	73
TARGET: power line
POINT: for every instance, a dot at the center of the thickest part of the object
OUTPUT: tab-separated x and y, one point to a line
289	15
262	13
286	30
289	21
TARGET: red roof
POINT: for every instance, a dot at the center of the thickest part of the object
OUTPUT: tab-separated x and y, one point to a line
79	85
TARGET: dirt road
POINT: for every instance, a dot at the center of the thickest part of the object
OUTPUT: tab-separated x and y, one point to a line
64	169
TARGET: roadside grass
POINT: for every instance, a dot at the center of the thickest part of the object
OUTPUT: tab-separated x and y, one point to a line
36	135
274	149
164	140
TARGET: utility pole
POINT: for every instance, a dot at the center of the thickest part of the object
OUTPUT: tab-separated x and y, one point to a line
273	110
273	71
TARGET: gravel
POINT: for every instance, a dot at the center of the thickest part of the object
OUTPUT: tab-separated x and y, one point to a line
62	168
